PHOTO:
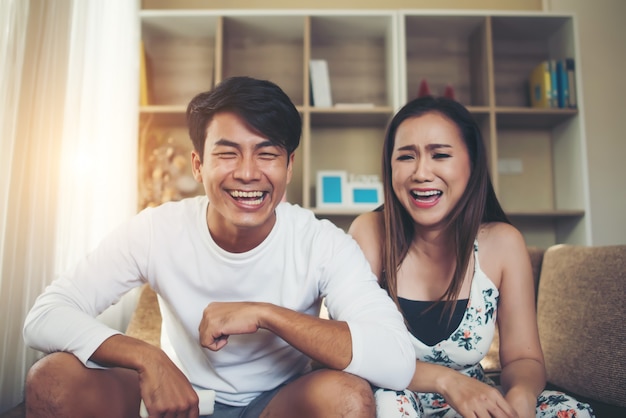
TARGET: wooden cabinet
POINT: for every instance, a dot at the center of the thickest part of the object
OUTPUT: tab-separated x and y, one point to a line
380	58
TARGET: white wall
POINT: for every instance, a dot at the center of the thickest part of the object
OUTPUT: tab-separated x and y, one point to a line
602	63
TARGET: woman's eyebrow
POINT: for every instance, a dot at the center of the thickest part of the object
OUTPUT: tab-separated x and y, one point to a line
429	147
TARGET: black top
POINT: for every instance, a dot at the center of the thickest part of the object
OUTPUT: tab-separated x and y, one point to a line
428	325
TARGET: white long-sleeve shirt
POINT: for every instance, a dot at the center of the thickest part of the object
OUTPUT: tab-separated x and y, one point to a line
302	261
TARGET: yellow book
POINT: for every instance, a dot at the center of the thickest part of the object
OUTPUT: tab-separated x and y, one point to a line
540	86
143	77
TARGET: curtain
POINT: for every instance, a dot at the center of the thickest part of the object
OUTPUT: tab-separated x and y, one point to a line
68	124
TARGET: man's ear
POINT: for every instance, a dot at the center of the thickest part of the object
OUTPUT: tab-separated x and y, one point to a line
196	166
290	166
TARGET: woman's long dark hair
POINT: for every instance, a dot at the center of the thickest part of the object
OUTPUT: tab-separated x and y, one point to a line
478	203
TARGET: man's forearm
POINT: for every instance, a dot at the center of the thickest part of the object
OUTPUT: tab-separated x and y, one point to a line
127	352
326	341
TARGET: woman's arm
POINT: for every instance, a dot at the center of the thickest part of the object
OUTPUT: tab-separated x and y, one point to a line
469	397
523	373
367	231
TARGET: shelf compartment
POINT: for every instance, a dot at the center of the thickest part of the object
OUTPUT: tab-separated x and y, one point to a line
520	43
269	47
446	50
360	50
357	150
525	173
180	53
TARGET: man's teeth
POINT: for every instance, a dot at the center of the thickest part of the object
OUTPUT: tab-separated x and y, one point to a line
239	193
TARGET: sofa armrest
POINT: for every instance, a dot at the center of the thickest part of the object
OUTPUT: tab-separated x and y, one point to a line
581	318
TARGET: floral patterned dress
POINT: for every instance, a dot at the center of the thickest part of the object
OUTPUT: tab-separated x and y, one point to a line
462	351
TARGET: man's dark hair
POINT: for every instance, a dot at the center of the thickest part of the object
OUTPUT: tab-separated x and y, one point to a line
263	106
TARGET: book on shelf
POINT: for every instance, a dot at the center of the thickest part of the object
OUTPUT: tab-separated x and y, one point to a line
540	84
320	83
143	77
552	84
570	67
563	85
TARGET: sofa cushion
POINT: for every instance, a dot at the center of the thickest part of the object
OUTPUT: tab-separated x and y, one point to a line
581	317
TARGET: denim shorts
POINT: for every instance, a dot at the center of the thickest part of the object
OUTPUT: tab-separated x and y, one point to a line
252	410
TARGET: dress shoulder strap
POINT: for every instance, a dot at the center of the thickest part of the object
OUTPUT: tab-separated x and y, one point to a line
476	263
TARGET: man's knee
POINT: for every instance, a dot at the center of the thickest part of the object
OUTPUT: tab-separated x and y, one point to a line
353	394
50	383
331	393
60	385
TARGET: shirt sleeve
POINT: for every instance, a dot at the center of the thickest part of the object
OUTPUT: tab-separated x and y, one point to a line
63	318
382	351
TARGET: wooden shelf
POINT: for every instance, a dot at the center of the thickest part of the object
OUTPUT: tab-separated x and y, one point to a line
163	109
381	57
531	118
548	214
350	116
341	211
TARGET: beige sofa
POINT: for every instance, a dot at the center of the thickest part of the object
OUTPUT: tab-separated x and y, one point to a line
580	306
581	293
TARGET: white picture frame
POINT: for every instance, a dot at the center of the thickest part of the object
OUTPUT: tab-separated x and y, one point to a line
331	188
336	189
365	195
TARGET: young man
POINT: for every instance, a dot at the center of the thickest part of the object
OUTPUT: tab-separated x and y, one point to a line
240	278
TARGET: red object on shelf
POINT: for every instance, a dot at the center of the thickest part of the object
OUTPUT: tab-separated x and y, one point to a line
449	92
424	89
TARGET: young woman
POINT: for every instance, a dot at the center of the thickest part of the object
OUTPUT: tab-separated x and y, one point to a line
446	253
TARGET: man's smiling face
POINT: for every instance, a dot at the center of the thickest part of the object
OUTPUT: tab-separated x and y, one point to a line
244	176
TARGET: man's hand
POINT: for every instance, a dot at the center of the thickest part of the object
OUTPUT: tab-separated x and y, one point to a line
222	319
166	391
326	341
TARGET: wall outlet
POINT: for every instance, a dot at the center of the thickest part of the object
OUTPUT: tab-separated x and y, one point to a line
510	166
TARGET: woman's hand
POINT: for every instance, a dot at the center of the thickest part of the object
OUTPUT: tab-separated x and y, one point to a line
472	398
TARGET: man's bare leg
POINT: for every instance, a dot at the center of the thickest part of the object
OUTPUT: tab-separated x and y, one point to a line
323	393
59	385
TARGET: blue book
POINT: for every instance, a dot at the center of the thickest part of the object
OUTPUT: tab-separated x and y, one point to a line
563	84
